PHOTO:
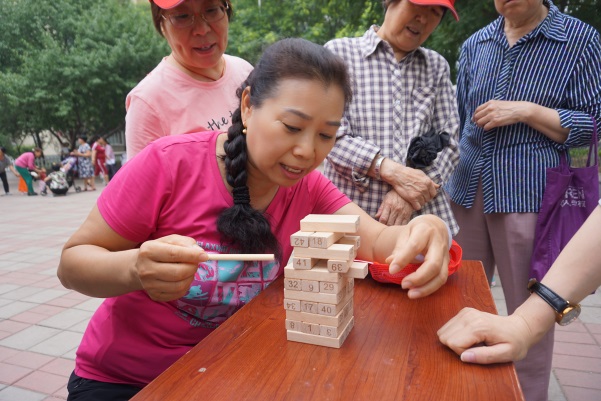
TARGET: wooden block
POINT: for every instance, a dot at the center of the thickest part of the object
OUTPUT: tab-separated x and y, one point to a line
292	305
304	263
321	340
339	266
319	272
294	284
335	251
357	270
332	288
308	307
334	331
310	285
354	240
293	325
324	239
328	309
314	297
330	222
323	319
310	328
300	239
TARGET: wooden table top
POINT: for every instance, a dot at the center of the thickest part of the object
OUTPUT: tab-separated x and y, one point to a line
392	353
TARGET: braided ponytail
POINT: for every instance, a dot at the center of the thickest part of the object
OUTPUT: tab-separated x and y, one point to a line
240	225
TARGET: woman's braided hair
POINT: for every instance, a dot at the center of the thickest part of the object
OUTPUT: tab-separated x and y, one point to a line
242	226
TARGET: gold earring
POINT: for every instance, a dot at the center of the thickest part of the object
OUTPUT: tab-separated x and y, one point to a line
244	130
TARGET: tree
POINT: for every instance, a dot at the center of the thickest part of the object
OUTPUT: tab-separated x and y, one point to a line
70	64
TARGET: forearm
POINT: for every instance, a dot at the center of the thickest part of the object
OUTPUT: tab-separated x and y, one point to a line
106	273
546	121
576	273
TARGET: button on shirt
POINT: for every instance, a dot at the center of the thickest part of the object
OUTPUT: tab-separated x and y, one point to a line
393	101
557	65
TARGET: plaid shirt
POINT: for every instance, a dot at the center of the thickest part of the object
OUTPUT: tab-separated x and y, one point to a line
392	103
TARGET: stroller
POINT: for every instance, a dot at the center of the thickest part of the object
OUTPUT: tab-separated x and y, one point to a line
69	167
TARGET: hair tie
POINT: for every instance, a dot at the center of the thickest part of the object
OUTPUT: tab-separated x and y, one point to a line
241	196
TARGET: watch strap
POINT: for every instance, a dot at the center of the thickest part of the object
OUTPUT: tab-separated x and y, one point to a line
548	295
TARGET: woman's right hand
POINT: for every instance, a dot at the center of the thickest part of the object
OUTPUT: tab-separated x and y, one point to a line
166	266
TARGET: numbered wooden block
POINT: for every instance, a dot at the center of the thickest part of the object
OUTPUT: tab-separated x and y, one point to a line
310	285
308	307
321	340
292	305
335	251
304	263
332	288
339	266
334	331
300	239
330	223
329	309
310	328
324	239
293	325
293	284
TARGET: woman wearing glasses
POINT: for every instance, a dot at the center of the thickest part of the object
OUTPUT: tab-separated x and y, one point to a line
194	88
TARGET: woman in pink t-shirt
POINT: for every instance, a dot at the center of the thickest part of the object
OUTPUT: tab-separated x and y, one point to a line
145	248
194	88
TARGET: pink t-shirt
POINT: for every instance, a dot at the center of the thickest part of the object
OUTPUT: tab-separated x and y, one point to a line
170	102
174	187
26	160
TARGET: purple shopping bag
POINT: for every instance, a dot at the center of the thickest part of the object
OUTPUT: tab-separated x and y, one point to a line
571	194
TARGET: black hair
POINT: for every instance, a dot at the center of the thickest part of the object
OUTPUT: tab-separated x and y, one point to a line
240	225
56	166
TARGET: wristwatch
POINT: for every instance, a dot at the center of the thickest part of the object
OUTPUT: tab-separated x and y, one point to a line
377	167
565	312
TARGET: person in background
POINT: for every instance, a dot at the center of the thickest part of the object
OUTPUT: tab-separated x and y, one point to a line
527	87
25	164
57	180
193	89
480	337
144	249
110	158
6	162
85	168
398	140
99	160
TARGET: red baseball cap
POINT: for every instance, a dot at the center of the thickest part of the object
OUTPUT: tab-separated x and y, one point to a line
167	4
450	4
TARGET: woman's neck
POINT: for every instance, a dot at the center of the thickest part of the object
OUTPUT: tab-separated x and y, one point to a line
205	75
518	27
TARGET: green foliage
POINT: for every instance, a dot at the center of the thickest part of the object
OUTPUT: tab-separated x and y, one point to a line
258	24
67	66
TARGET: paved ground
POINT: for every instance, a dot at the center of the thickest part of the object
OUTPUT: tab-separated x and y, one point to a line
41	323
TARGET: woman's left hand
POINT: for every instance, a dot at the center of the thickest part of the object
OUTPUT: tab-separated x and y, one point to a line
426	235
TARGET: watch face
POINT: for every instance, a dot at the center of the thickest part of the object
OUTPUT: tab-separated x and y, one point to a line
569	315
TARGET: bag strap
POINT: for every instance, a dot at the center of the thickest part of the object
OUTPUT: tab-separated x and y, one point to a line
593	158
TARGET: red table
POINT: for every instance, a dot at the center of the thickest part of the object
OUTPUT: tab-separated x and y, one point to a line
392	353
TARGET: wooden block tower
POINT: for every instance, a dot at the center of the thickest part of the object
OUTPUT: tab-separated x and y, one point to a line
319	280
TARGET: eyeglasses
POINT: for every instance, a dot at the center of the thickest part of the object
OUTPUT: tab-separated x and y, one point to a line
212	13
